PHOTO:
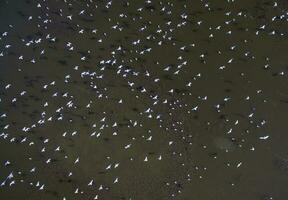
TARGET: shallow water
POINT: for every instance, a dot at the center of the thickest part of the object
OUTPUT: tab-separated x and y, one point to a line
143	100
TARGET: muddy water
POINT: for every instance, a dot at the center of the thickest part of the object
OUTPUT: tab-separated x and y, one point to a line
143	100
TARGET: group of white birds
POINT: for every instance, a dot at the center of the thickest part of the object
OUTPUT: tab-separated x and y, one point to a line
142	80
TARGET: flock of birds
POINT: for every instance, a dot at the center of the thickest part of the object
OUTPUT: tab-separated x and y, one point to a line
122	99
